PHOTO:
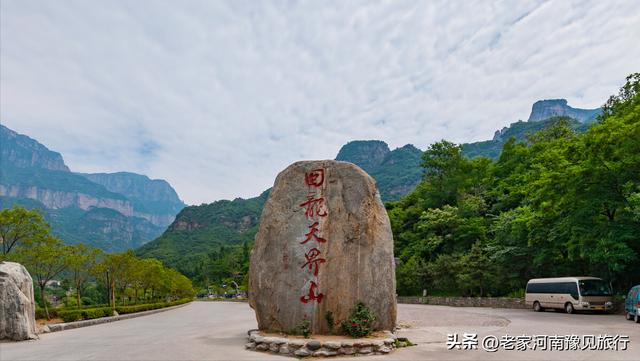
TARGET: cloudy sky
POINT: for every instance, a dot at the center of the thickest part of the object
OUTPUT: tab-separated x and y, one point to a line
217	97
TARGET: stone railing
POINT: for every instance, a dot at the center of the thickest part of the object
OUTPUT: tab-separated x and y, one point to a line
493	302
496	302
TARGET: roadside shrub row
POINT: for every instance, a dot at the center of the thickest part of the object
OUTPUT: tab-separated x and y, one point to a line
101	305
84	314
71	315
40	313
149	306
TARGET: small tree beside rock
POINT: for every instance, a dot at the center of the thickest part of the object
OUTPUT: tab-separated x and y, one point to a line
359	324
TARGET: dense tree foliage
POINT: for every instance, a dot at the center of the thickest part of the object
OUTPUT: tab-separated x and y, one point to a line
27	239
558	204
210	243
45	258
558	198
20	226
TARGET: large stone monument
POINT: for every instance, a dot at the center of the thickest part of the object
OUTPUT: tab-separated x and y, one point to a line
324	243
17	305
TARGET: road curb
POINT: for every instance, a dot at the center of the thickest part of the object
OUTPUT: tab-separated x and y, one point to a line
97	321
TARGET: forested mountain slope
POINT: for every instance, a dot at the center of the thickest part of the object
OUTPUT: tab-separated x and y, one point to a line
79	208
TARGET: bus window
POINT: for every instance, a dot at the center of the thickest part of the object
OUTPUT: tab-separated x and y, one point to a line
594	288
572	289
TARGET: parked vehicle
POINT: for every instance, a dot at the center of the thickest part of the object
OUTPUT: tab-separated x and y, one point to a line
569	294
632	304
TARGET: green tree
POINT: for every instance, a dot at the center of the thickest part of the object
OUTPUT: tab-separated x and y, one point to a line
154	275
45	258
443	162
81	260
20	226
558	203
116	267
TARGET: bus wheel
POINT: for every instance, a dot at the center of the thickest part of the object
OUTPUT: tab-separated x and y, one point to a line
637	318
628	316
568	308
537	307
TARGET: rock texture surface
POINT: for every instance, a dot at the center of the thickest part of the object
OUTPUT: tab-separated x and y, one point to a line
324	243
543	109
17	305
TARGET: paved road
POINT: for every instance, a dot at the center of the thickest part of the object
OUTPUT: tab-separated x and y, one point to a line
217	331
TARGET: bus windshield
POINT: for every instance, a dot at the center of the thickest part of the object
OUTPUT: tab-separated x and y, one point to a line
594	288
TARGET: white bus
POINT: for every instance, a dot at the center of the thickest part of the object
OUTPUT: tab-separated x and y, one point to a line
569	294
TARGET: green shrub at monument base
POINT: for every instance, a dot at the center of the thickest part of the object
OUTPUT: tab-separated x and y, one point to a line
359	324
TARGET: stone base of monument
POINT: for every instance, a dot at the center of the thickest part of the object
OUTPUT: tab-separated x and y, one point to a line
379	343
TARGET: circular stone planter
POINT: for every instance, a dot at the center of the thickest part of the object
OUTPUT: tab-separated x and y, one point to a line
321	346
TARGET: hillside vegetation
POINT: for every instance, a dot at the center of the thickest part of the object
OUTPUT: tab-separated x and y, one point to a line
519	131
210	243
560	204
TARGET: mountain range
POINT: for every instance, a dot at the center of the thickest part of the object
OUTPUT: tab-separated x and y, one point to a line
118	211
113	211
199	232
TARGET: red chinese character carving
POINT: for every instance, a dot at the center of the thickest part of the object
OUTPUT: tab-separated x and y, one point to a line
315	178
314	206
312	295
313	261
313	229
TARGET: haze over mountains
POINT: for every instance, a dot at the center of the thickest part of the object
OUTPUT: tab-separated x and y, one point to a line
117	211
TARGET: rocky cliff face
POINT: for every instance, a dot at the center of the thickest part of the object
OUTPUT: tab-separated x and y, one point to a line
544	113
160	220
23	151
110	211
544	109
58	199
114	231
153	199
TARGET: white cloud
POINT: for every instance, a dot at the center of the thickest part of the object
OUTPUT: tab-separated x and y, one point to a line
217	97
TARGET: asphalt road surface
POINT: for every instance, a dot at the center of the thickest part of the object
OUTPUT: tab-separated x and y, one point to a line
217	331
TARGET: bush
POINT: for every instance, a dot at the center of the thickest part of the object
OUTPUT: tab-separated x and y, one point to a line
359	323
70	315
89	313
139	308
149	306
92	313
516	294
305	328
180	302
330	320
85	314
53	313
74	307
87	301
